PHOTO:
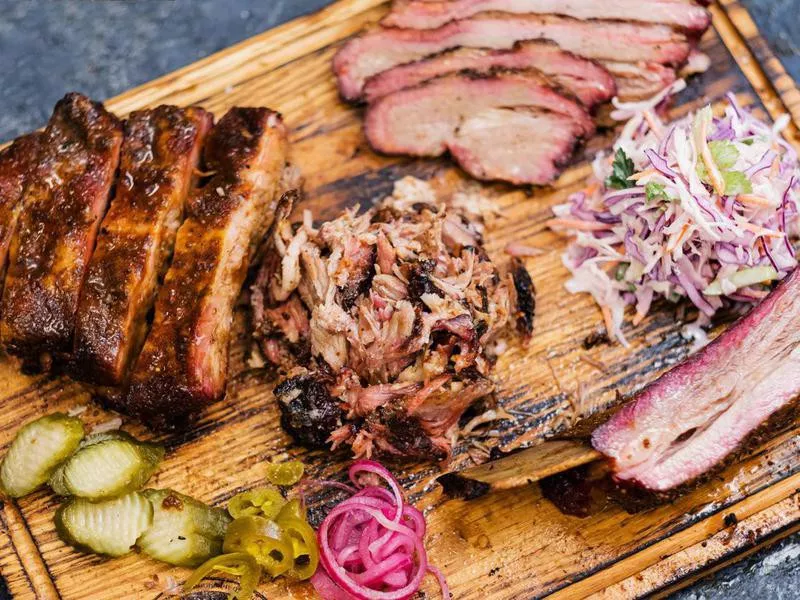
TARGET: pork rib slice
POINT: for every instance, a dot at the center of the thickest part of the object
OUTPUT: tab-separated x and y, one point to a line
160	155
420	14
16	162
461	113
64	200
383	48
183	365
639	81
588	81
693	417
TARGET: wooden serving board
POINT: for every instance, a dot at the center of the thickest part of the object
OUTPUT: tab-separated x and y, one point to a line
509	545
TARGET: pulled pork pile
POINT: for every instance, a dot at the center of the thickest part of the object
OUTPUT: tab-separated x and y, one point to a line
384	322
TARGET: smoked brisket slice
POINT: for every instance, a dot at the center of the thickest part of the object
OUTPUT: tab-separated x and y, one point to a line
467	116
63	203
16	162
160	156
183	365
421	14
589	82
383	48
639	81
689	420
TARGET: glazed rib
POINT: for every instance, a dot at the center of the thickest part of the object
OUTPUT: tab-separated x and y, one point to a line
587	80
383	48
183	365
16	162
63	203
421	14
461	113
693	417
160	155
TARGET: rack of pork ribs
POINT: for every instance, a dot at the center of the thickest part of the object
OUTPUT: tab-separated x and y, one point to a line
510	88
106	221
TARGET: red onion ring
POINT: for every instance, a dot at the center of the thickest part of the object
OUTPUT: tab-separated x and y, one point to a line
371	544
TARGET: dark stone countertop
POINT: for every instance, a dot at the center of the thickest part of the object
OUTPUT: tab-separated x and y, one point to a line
48	47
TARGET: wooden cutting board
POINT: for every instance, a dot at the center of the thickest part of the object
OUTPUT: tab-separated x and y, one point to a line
510	545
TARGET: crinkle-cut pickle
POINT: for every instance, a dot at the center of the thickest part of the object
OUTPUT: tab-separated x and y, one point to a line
37	450
110	527
185	532
107	465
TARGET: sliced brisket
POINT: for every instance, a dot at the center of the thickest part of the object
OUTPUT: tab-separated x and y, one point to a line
424	14
183	365
466	115
383	48
63	203
639	81
160	156
693	417
585	79
16	163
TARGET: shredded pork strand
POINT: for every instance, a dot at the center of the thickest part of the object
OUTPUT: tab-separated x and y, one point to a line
384	321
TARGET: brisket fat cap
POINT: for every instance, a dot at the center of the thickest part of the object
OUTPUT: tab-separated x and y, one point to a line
590	82
427	14
689	420
391	310
382	48
466	115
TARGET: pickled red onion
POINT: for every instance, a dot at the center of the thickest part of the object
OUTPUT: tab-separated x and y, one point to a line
371	544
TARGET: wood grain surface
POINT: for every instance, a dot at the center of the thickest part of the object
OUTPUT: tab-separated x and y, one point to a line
512	544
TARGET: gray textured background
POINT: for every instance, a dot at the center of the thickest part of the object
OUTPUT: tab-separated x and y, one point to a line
48	47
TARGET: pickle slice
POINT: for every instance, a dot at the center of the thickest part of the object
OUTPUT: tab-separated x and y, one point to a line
185	532
56	481
107	465
110	527
38	449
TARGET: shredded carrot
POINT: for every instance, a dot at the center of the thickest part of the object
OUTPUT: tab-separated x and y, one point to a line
655	126
642	174
608	321
754	200
638	318
705	153
775	168
759	230
677	240
576	224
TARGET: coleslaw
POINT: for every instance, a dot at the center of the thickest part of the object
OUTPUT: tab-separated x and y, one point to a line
705	208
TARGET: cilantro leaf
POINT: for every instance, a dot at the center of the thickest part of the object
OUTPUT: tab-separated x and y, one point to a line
655	191
724	153
736	183
622	168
